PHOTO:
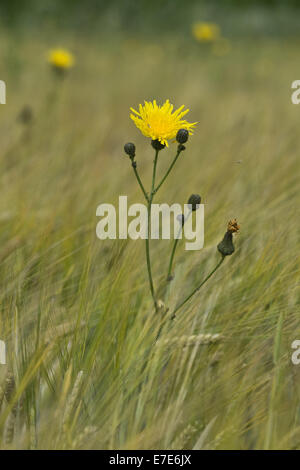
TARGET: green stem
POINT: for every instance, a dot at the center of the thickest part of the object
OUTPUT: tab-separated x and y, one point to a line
197	288
139	181
179	150
169	277
150	199
154	173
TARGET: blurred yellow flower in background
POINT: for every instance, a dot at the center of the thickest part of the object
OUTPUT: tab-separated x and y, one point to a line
205	32
159	122
61	59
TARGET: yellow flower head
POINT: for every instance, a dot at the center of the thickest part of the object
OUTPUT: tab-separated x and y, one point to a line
61	59
160	122
206	32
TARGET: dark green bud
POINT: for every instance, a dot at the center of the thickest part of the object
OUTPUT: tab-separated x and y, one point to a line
182	136
226	247
194	200
130	149
157	145
26	115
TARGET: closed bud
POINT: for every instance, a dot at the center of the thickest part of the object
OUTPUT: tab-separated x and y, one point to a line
182	136
157	145
26	115
194	201
130	149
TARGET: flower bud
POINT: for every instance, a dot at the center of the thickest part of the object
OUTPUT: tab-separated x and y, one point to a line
194	200
157	145
130	149
26	115
226	247
182	136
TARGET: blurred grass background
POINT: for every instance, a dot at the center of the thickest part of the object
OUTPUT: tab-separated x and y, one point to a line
76	312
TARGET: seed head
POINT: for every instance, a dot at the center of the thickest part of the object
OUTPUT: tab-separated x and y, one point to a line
226	246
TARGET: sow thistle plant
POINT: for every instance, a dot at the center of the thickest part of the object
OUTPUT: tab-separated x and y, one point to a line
61	61
206	32
163	124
